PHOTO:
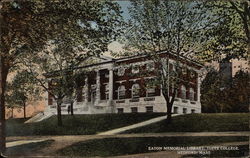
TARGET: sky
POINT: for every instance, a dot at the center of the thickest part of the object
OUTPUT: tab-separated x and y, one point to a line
116	46
124	7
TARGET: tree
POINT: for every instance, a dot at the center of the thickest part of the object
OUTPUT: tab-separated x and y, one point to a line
22	89
238	97
171	26
60	61
27	26
55	74
220	94
212	92
230	37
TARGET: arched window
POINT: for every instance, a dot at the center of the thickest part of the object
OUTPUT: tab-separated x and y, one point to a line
121	92
191	94
135	91
183	92
150	87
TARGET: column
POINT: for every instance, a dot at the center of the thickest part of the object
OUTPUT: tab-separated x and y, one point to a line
198	87
97	87
86	88
111	86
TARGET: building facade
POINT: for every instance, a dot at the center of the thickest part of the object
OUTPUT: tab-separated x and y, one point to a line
120	86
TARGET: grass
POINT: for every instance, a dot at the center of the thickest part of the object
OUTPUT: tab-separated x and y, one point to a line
17	120
76	125
26	149
200	123
124	146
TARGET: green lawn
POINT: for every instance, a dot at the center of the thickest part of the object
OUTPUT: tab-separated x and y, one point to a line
76	125
92	124
124	146
200	123
27	149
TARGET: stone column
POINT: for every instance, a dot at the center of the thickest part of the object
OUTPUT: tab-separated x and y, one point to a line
111	86
97	87
86	88
198	87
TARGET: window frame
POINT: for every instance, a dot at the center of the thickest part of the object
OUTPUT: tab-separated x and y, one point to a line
149	111
133	91
183	92
119	90
120	110
134	111
191	94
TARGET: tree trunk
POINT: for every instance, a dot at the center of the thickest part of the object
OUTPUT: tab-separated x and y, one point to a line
3	76
169	104
12	112
71	108
59	112
169	113
24	110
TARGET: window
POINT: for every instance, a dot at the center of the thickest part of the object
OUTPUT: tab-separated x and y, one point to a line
192	74
184	70
121	92
175	110
120	110
134	109
135	69
191	94
106	91
121	71
135	91
184	110
192	111
150	66
149	109
150	91
183	92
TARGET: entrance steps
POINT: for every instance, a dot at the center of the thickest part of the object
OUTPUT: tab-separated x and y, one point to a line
39	117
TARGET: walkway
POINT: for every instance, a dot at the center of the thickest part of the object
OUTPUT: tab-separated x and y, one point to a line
70	139
61	142
141	124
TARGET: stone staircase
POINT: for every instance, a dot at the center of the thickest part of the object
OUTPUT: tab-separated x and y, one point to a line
39	117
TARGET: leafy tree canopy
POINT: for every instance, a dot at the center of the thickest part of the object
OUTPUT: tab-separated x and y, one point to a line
230	37
27	26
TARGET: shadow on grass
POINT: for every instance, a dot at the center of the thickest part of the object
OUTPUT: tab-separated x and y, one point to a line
219	122
77	124
243	151
27	149
126	146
